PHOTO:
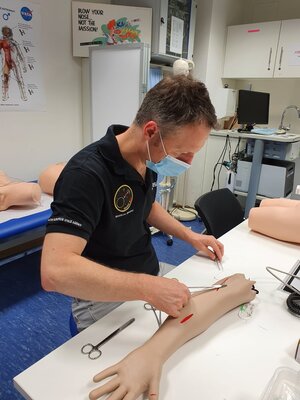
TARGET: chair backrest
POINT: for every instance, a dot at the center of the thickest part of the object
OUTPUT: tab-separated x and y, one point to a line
220	211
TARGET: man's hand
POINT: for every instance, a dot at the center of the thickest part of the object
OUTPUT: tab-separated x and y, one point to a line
165	294
208	244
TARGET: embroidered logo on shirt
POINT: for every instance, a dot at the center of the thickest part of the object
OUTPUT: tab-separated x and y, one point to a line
123	198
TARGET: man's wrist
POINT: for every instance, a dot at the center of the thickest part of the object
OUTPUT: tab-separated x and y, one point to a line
144	282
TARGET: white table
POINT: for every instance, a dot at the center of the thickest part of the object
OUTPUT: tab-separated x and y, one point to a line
233	360
257	157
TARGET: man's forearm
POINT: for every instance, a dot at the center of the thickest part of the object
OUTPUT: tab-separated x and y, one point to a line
88	280
162	220
63	269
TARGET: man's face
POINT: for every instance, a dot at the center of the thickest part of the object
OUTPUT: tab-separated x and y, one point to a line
183	144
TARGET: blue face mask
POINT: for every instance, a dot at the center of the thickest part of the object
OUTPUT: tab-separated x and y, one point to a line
168	166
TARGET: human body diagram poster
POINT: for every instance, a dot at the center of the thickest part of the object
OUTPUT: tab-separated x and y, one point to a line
21	72
107	24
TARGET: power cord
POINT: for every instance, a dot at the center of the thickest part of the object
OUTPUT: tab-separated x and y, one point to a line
230	165
219	162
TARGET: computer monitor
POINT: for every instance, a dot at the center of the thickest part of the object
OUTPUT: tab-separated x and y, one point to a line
253	108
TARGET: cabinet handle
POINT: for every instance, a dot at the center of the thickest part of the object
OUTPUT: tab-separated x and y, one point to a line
270	56
280	58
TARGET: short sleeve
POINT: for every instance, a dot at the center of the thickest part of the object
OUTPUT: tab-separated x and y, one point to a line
77	204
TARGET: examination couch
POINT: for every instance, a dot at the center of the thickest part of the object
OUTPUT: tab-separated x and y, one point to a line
22	229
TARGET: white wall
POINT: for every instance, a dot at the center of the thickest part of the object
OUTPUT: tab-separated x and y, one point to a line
213	17
32	140
269	10
283	91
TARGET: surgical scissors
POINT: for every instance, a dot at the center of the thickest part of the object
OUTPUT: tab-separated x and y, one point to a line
194	290
93	352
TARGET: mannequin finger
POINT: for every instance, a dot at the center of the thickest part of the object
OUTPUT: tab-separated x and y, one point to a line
132	396
107	388
153	390
118	394
106	373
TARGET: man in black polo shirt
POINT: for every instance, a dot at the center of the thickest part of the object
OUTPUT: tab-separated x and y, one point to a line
98	244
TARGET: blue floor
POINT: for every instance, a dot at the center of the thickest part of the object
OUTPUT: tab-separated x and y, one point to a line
34	322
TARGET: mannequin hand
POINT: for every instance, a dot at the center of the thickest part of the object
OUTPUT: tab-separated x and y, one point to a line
165	294
240	288
207	244
137	373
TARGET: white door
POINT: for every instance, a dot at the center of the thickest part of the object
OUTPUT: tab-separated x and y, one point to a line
288	54
118	79
251	50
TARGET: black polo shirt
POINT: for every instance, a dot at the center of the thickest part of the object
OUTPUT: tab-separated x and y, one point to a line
103	199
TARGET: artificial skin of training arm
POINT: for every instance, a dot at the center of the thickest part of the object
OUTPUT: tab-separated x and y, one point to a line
277	218
140	371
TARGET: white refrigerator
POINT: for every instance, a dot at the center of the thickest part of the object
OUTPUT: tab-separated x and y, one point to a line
118	84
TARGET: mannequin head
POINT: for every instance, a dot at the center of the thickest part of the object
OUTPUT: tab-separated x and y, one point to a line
183	67
49	176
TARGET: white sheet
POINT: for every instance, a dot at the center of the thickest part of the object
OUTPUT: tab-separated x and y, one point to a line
19	211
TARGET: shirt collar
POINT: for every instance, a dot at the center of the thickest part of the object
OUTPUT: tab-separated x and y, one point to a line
109	149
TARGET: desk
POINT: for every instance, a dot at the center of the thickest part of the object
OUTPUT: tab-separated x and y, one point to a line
233	360
257	157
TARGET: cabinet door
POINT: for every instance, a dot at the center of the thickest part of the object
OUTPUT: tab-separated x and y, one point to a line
288	53
251	50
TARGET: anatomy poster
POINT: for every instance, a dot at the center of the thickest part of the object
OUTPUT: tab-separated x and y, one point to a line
107	24
21	71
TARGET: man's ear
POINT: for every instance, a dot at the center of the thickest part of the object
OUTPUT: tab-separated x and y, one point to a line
149	129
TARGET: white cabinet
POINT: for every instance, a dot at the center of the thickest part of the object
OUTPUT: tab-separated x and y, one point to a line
251	50
173	27
288	52
263	50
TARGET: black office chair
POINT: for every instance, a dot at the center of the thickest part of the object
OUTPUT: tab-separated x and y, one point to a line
220	211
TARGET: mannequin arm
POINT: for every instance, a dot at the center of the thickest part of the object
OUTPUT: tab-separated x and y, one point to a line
279	222
13	193
279	203
49	176
4	179
140	370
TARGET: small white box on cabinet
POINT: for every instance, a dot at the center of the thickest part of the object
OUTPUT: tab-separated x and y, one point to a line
224	101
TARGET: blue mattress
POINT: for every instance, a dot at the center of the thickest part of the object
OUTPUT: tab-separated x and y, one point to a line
23	224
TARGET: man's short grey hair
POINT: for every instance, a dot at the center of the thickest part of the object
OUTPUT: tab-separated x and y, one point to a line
176	101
